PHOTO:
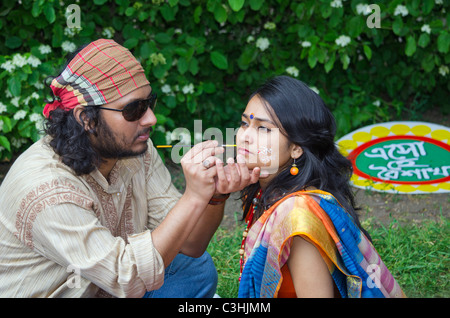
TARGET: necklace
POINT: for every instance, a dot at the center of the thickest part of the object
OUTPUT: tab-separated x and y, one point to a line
249	222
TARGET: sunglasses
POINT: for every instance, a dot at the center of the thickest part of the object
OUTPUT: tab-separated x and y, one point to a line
135	110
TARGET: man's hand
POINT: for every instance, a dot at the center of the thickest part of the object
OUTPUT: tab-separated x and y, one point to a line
199	170
235	176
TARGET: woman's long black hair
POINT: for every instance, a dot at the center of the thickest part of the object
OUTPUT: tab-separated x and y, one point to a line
69	138
305	121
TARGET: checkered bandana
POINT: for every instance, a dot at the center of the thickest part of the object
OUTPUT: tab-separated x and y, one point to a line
101	73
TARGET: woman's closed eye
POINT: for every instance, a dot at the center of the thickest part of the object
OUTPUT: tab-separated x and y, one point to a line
243	124
264	129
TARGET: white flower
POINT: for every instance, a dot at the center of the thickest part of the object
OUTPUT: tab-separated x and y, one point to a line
15	101
292	70
262	43
2	107
20	115
336	4
401	10
168	138
17	143
438	2
306	44
377	103
363	8
426	28
35	95
443	70
250	38
70	32
343	40
68	46
270	26
188	89
178	31
35	117
33	61
108	32
45	49
315	89
9	66
39	85
166	89
19	60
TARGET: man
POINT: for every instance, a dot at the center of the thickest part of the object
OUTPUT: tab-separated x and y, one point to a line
90	210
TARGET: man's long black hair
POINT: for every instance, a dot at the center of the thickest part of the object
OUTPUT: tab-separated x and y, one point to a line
69	138
305	121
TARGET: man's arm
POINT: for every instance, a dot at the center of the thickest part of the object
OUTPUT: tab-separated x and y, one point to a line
203	231
231	178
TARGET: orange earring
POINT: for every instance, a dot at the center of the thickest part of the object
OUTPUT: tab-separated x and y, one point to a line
294	169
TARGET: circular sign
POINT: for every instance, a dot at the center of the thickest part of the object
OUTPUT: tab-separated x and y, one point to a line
399	157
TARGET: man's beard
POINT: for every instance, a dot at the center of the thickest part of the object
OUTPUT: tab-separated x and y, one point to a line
110	147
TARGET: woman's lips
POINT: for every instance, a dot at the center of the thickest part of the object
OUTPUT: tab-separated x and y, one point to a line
243	151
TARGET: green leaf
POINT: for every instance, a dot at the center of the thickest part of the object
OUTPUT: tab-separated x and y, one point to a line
13	42
182	65
131	43
256	4
443	42
163	38
236	5
345	60
168	12
424	39
219	60
312	60
397	26
428	63
193	66
330	63
220	14
4	142
49	12
100	2
367	51
410	48
197	13
7	126
14	86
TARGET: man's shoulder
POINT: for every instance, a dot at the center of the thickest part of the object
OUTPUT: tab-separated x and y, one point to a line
38	167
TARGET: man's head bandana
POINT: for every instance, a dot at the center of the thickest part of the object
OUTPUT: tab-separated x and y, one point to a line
101	73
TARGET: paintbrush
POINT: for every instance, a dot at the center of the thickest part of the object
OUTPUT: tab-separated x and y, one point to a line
172	146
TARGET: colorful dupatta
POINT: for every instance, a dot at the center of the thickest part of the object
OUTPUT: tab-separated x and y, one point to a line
354	264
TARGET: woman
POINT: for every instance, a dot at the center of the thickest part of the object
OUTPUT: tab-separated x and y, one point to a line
303	237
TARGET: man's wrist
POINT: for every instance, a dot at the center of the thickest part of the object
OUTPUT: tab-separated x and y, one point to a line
218	198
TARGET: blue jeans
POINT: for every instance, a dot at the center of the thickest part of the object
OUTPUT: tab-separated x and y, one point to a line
188	277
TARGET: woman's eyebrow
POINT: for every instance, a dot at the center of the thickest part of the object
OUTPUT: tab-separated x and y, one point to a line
258	119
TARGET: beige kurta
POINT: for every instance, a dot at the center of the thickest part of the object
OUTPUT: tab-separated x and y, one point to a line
62	235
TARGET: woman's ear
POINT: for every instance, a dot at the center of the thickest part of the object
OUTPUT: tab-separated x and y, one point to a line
78	113
296	151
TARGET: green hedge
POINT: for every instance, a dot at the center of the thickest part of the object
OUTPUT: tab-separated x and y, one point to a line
205	57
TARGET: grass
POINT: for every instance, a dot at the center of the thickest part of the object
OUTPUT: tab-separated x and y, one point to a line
416	254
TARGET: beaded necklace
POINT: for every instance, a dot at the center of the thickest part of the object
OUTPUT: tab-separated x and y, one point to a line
249	222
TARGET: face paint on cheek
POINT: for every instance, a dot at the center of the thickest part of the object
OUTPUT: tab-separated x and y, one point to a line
265	155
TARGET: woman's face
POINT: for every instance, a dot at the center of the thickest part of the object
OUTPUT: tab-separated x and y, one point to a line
259	139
